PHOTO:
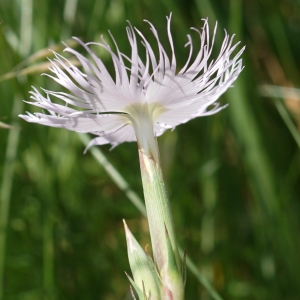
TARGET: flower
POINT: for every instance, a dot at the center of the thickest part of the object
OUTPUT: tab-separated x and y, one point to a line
144	96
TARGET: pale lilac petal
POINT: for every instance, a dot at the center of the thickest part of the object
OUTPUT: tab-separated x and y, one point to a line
125	134
184	114
80	122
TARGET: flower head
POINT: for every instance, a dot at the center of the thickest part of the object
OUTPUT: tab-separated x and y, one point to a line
144	97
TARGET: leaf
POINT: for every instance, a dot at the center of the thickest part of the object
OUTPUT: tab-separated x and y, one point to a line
21	68
6	126
37	68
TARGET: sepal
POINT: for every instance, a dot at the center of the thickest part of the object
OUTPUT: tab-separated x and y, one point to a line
171	264
172	283
153	267
146	280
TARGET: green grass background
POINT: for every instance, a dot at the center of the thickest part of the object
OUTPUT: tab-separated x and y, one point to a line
233	178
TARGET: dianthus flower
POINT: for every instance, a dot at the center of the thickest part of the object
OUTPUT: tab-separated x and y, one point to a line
144	97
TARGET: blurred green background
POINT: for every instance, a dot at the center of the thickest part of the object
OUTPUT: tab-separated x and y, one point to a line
233	178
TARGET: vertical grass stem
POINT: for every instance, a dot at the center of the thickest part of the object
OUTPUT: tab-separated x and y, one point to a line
6	186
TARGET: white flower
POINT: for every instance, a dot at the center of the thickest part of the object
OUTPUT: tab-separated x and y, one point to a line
144	96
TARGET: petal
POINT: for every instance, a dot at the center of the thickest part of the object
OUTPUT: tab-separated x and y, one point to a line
124	134
84	122
175	117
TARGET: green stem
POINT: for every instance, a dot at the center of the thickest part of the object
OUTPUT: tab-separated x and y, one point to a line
123	185
48	255
116	177
288	121
161	225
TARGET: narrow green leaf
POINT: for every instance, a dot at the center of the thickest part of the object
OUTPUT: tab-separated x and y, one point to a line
139	292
